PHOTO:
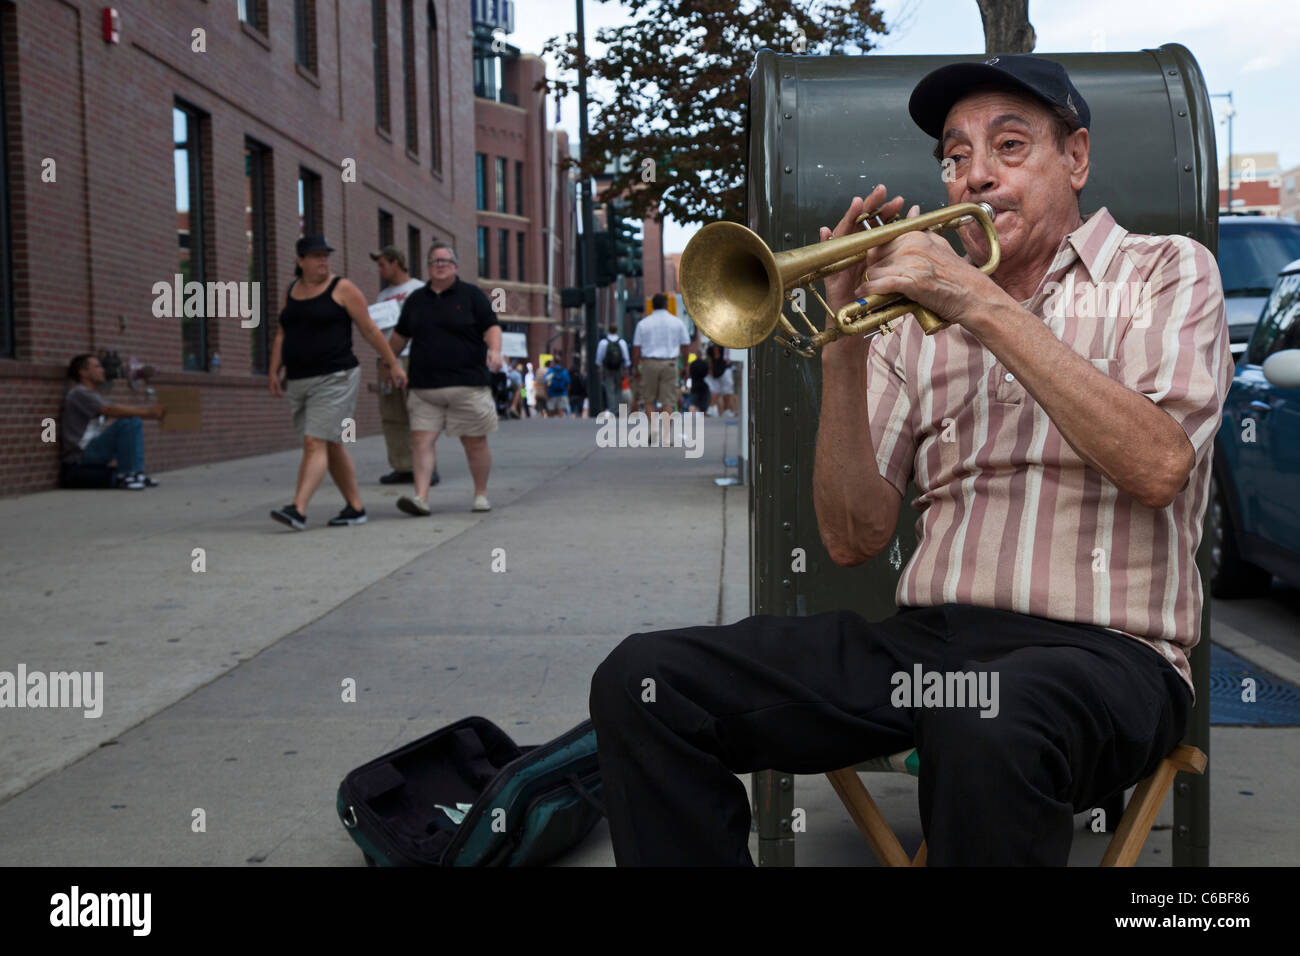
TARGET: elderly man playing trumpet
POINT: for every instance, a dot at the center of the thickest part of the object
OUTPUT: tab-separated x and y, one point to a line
1062	458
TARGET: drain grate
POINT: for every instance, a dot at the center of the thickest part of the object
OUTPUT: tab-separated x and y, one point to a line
1276	704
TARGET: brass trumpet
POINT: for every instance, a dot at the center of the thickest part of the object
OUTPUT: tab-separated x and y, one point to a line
733	284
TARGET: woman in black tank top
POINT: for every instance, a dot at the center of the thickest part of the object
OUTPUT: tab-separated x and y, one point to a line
313	347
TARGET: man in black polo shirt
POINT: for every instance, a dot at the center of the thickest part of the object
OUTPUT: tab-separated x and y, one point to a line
455	345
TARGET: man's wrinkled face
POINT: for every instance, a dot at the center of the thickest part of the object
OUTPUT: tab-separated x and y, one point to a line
1000	148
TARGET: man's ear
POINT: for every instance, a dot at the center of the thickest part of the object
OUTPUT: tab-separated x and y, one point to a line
1076	154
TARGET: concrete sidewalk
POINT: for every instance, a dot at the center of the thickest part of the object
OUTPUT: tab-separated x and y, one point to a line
223	688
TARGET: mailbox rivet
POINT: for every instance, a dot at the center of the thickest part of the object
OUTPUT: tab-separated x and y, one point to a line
1182	112
788	169
1171	73
785	469
785	582
785	526
785	783
787	410
789	236
1187	168
789	116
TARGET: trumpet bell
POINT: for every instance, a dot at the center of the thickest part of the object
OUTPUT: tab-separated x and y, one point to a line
730	285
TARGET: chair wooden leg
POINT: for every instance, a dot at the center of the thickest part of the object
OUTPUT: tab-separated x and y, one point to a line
867	816
1126	844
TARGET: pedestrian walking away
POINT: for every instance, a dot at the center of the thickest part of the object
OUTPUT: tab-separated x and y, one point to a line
396	284
613	361
455	346
557	390
659	342
313	348
1057	687
577	388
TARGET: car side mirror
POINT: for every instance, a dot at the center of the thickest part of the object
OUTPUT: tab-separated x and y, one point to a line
1283	368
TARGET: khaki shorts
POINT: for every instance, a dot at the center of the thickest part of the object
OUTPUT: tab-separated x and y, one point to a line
320	404
461	411
659	383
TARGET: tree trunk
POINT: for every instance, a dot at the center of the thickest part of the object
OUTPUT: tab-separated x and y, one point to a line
1006	26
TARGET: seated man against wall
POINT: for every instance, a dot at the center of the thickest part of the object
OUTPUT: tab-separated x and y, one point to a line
1062	455
85	441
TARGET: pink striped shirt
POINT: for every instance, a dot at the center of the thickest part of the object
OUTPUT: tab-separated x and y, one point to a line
1010	516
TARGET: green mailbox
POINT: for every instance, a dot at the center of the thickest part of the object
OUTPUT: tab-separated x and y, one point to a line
823	129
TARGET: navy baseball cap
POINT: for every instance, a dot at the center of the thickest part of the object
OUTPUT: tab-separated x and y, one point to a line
1045	79
313	244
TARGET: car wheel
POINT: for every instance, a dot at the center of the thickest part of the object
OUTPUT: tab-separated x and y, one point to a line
1230	576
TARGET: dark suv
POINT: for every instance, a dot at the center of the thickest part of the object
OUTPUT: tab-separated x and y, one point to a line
1252	249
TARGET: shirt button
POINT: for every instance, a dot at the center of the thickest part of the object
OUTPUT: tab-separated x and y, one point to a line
1009	377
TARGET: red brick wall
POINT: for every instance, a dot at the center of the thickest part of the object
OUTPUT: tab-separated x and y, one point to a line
88	247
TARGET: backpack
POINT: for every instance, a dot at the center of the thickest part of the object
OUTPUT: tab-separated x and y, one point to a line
468	795
613	359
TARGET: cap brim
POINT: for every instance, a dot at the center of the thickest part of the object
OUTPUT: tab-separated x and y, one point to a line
935	95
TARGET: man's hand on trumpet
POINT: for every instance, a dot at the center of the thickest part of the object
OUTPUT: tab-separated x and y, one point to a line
919	265
842	286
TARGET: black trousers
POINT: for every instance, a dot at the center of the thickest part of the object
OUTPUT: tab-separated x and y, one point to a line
1081	713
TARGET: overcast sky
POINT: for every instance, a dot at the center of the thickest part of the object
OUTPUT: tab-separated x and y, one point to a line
1246	46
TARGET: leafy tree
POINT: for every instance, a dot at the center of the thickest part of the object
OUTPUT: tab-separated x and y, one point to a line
678	93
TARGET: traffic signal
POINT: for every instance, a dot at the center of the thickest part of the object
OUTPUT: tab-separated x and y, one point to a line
602	259
627	247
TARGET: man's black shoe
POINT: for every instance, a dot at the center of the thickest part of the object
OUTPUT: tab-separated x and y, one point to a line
291	516
349	515
398	478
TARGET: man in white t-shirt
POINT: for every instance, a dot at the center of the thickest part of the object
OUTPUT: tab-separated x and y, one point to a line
397	285
659	341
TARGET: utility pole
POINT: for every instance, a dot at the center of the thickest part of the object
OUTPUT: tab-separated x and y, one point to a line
588	272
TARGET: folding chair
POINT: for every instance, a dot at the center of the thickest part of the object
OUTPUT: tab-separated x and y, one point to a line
1124	846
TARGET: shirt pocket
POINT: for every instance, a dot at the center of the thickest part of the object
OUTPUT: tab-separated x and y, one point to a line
1001	387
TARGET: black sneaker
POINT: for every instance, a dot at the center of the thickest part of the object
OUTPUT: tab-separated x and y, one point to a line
144	479
435	479
398	478
348	515
291	516
132	482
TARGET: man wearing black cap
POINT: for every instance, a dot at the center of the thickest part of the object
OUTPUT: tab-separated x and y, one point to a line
1062	453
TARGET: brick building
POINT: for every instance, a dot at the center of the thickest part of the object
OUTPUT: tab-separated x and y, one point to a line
525	200
202	138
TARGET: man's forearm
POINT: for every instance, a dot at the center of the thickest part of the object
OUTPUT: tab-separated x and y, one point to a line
851	517
1117	431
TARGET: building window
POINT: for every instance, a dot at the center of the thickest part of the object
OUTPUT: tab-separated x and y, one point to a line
253	12
519	248
435	127
519	188
482	251
257	176
309	203
503	253
480	176
408	75
189	165
501	184
7	345
413	247
379	41
385	228
304	33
